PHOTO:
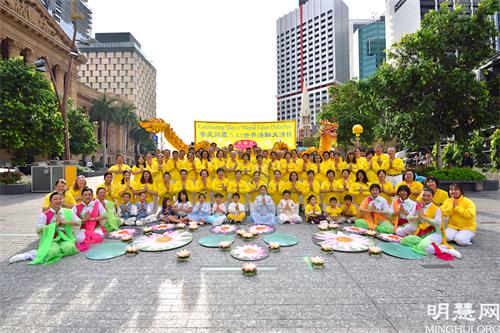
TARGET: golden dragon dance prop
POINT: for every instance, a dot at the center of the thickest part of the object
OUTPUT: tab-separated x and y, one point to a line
328	135
158	125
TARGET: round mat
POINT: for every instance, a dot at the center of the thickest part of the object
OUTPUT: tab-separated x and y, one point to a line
282	238
224	229
399	251
250	252
118	234
162	242
214	240
261	229
105	251
355	230
343	242
390	238
161	228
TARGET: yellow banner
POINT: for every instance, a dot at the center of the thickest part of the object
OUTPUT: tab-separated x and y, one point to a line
264	134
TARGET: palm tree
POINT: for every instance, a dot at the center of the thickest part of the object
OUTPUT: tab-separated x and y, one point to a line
104	112
128	118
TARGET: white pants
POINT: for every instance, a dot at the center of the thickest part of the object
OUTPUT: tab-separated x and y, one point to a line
461	237
292	218
395	180
80	236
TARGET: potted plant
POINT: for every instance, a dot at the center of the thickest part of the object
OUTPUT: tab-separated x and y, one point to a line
14	182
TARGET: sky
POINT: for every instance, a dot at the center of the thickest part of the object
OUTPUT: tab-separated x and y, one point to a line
215	60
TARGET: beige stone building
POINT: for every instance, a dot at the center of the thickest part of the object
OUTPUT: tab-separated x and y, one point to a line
28	30
117	65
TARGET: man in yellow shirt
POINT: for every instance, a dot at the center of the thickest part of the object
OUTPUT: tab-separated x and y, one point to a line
394	166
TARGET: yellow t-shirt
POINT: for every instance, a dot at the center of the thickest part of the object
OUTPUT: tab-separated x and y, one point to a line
387	186
349	211
117	177
463	216
242	188
275	189
414	187
110	190
312	210
333	211
152	187
124	188
307	191
439	197
354	191
67	200
164	191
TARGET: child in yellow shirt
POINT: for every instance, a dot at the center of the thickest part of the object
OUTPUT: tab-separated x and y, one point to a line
236	210
313	212
349	210
333	211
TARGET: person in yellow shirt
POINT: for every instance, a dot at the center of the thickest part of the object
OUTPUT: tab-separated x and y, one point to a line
239	186
59	187
294	187
76	189
333	211
255	185
262	168
415	186
343	184
236	210
379	156
166	188
287	166
326	164
246	168
305	166
204	184
440	196
360	157
185	184
218	162
117	169
370	166
311	186
461	214
360	189
126	186
394	166
329	188
349	211
231	166
276	187
204	162
109	186
352	165
146	185
386	189
138	168
274	164
174	166
190	166
296	160
313	212
159	170
220	184
338	165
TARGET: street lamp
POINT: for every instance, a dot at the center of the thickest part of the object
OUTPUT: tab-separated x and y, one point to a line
357	130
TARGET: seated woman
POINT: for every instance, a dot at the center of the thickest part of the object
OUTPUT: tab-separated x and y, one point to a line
218	211
313	211
400	209
409	180
440	196
183	206
60	187
236	210
461	214
145	213
263	209
112	221
372	212
427	224
201	210
54	228
288	210
127	211
92	215
78	186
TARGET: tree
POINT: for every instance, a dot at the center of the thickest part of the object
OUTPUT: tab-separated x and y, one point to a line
81	130
128	118
29	116
143	140
428	90
351	103
104	111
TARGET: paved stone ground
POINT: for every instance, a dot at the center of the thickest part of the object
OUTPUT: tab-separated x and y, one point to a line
154	293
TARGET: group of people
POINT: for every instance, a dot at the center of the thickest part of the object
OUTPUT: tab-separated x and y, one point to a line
214	185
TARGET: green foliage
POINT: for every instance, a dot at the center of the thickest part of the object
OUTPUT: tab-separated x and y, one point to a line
82	137
311	141
428	89
424	170
10	177
351	104
453	153
29	116
457	174
495	150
